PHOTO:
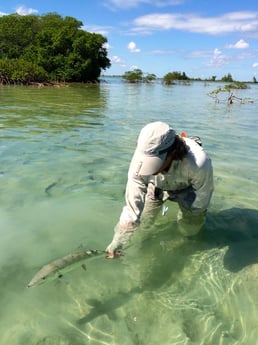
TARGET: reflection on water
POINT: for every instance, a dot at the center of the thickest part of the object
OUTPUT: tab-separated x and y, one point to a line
64	159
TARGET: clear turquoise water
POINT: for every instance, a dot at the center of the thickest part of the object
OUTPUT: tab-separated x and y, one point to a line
64	159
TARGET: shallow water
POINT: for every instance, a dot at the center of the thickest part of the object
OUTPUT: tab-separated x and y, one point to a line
64	158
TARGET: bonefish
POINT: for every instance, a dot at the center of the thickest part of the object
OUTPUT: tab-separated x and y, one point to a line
58	267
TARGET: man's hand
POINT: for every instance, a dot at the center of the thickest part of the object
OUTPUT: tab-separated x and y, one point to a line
113	255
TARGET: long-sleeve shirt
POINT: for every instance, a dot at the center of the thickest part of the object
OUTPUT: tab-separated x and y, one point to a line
194	171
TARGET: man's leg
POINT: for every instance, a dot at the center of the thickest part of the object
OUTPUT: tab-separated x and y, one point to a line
189	223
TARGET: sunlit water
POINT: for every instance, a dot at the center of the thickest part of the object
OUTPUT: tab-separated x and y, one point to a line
64	159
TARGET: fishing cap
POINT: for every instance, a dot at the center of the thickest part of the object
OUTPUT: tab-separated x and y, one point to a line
154	142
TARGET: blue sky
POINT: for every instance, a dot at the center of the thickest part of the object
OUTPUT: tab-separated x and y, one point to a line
202	38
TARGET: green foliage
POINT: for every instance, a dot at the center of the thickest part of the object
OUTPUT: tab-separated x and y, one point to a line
227	78
20	71
237	85
134	76
57	45
171	77
149	78
216	91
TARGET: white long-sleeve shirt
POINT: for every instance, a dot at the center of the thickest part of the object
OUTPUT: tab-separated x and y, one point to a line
195	170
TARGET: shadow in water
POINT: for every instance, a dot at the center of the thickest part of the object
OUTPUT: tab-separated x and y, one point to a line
238	229
234	228
107	307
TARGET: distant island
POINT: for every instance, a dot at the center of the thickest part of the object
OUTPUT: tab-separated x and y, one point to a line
175	77
52	50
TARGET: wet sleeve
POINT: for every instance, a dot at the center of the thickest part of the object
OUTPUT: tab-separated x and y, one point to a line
202	183
135	194
136	190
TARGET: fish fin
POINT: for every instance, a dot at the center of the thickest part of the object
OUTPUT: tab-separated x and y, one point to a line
81	247
84	267
62	278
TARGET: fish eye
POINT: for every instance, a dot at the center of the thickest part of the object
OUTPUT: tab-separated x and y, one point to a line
43	278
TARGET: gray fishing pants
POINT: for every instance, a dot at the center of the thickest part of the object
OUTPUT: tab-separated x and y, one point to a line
189	223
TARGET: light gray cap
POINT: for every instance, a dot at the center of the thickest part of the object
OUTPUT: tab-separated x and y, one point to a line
154	142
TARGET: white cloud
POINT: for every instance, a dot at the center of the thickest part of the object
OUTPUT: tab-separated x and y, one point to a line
218	59
126	4
200	54
107	46
132	48
243	56
103	30
2	14
241	44
23	11
245	22
255	64
162	52
117	60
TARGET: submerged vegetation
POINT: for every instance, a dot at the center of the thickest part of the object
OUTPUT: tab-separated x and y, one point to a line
237	85
175	77
137	76
231	97
49	48
171	77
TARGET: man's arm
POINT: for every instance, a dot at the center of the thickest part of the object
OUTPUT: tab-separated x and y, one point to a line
202	183
136	190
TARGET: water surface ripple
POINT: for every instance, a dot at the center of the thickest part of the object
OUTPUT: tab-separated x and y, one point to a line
64	159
